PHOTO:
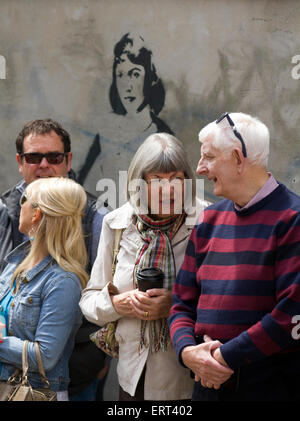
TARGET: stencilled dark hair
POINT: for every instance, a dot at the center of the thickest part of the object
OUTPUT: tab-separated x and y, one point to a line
154	92
42	127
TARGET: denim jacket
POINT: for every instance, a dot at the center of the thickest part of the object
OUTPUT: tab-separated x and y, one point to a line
45	309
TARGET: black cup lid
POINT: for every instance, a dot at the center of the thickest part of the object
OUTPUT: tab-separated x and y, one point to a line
150	273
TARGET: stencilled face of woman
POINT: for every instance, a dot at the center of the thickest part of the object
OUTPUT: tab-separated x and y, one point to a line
130	79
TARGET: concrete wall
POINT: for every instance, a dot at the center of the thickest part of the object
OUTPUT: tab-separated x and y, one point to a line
210	56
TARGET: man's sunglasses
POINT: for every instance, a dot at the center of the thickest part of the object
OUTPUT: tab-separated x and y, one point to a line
235	131
53	158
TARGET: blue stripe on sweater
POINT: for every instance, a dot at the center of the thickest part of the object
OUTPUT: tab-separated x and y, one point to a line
237	287
238	258
209	231
229	317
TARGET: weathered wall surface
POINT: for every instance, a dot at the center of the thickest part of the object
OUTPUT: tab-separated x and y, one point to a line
210	56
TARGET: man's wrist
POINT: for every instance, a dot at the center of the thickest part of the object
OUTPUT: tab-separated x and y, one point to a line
217	354
184	354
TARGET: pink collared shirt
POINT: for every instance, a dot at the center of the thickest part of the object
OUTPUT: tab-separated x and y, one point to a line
266	189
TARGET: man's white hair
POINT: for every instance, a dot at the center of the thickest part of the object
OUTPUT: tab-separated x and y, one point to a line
255	134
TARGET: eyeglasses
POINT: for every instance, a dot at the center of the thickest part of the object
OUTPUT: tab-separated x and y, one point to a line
24	199
161	182
235	131
53	158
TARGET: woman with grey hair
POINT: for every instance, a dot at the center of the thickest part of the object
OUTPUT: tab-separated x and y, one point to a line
161	200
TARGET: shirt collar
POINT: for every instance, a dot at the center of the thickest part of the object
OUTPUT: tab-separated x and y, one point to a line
21	186
269	186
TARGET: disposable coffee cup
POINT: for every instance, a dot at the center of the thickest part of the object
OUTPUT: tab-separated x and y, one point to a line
149	278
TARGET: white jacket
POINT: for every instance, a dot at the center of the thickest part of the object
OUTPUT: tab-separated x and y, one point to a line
165	378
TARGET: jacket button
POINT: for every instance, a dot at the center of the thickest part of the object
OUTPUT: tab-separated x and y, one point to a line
12	304
30	300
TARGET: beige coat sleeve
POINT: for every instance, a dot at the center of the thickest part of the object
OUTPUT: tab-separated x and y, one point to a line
95	300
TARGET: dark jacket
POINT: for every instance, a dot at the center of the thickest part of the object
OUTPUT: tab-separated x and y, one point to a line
10	223
85	353
5	235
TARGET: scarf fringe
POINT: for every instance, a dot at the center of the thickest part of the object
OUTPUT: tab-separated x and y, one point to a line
156	251
159	340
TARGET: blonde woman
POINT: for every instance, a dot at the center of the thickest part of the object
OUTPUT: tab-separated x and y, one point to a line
41	285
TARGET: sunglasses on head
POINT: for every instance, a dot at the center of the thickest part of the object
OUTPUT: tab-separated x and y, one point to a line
24	199
234	129
53	158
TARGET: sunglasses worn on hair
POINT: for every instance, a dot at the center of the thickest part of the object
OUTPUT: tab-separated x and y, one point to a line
53	158
235	131
24	199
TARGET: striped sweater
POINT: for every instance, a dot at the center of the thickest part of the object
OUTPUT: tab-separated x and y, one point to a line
240	280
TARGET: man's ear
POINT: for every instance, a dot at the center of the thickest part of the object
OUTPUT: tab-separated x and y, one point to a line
19	161
239	159
70	156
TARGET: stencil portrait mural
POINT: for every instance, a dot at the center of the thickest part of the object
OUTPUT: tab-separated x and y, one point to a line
137	96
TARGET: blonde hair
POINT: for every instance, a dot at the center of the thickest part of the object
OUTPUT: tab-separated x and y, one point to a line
62	202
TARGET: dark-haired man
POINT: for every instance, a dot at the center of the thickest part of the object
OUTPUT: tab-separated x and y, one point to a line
44	150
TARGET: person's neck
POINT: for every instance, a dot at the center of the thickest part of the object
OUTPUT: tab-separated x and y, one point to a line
249	186
37	258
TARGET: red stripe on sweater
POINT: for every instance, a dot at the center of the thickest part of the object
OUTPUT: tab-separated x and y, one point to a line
179	323
288	265
219	331
230	245
182	337
186	292
262	340
235	272
283	319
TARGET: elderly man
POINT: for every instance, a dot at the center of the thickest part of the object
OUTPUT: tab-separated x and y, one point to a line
237	295
44	150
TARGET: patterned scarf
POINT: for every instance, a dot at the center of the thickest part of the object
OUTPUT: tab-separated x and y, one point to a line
156	251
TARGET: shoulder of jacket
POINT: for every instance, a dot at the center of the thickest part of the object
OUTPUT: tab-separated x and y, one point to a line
12	191
54	274
119	218
4	216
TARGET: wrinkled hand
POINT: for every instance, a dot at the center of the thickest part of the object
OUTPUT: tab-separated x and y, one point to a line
206	368
122	303
156	303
